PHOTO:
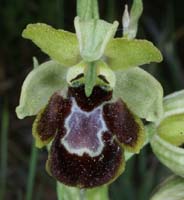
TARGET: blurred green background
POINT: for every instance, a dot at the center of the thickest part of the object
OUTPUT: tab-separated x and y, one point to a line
162	22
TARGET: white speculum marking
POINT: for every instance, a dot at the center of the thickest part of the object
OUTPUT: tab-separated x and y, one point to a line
84	131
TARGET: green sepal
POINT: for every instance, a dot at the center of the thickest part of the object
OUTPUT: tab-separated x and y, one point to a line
168	154
93	36
60	45
171	129
170	189
71	193
142	93
38	87
122	53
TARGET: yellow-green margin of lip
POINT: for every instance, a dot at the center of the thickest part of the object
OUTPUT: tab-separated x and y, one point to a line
168	154
141	138
118	173
120	170
38	142
47	164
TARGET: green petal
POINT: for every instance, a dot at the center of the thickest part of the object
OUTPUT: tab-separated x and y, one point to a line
122	53
60	45
170	189
38	87
142	93
93	36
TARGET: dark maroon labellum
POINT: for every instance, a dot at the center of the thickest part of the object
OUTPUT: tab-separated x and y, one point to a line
89	133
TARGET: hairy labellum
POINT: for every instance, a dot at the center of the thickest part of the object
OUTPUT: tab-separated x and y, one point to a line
89	136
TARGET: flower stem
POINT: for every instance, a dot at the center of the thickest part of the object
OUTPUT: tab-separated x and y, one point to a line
82	194
32	169
4	151
87	9
60	13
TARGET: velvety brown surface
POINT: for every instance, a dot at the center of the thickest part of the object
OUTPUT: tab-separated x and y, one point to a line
85	171
121	122
97	97
53	116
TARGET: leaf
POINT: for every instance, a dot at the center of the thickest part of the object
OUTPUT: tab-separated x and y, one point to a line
60	45
142	93
70	193
38	87
122	53
170	189
93	36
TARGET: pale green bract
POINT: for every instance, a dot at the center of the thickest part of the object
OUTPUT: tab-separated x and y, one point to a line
170	189
174	103
130	22
60	45
170	134
70	193
150	131
38	87
142	93
122	53
168	154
